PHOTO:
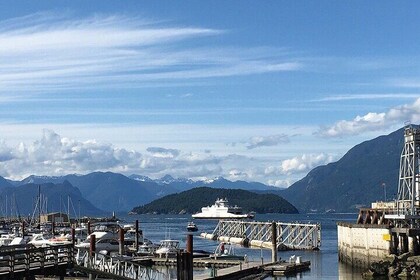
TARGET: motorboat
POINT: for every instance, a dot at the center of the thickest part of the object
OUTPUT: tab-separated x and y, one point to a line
221	210
104	241
44	240
167	247
148	248
130	236
192	227
6	239
225	251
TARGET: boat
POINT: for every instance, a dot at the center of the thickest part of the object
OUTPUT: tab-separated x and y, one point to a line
192	227
104	241
225	251
45	240
221	210
148	248
168	247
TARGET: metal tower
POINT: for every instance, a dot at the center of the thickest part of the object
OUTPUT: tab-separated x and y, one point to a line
408	202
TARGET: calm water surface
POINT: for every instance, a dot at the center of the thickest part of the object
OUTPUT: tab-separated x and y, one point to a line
324	263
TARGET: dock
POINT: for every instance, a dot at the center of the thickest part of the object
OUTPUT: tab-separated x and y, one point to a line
286	268
197	262
280	268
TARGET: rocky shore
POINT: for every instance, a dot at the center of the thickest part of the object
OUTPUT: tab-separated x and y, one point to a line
405	266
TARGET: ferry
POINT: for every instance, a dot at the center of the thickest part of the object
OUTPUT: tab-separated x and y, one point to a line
221	210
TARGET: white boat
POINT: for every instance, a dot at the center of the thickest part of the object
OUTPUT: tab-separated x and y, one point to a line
44	240
221	210
104	241
148	248
167	247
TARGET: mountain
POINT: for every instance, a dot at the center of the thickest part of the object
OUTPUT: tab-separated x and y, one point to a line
109	191
356	179
22	199
5	183
116	192
192	200
182	184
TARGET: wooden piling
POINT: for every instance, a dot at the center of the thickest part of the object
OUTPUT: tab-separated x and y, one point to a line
273	242
88	228
121	238
189	257
136	244
92	247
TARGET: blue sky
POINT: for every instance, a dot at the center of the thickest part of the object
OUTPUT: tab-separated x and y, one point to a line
247	90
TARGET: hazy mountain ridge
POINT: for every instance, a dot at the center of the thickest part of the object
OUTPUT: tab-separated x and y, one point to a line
21	200
116	192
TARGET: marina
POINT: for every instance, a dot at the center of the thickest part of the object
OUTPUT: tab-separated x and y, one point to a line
323	262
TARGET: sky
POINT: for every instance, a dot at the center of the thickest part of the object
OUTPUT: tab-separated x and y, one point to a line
246	90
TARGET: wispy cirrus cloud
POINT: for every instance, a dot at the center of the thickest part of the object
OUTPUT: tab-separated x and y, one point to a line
374	96
47	51
373	121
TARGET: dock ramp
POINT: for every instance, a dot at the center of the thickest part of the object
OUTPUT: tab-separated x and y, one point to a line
290	236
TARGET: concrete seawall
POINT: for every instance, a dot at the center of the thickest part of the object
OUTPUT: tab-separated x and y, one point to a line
361	244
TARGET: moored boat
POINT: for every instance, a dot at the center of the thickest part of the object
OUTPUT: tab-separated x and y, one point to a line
168	247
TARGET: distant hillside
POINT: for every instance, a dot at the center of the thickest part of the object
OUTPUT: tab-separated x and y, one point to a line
193	200
356	179
21	200
109	191
115	192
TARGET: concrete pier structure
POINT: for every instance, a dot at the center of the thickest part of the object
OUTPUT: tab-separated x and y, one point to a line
359	245
388	227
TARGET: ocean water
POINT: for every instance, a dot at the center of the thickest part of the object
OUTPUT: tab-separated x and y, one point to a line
324	263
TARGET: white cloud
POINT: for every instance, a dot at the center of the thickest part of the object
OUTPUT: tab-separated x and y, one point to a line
264	141
374	121
299	164
280	183
49	52
57	155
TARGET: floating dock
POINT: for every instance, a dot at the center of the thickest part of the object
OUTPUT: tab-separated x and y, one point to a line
256	269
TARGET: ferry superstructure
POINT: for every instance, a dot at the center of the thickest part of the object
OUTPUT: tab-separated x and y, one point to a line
221	210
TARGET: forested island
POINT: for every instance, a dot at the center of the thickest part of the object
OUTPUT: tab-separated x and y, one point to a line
191	201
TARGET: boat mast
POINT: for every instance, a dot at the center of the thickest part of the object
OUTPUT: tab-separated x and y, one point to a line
39	206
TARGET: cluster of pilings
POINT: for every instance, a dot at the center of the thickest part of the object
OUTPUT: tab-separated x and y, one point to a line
404	240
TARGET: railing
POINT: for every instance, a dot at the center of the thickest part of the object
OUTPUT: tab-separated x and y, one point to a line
117	266
20	259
